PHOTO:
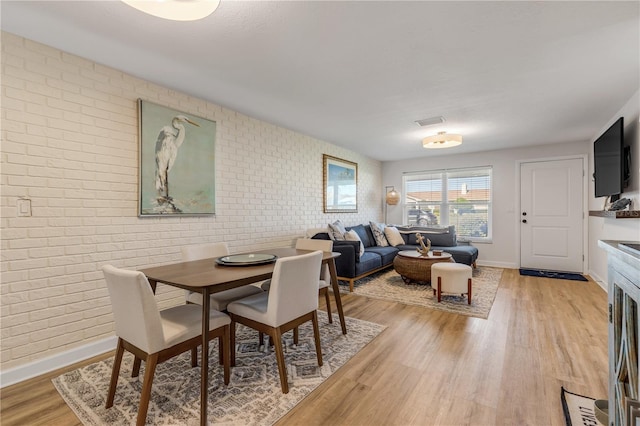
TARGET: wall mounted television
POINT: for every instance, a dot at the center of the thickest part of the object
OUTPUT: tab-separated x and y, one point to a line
611	168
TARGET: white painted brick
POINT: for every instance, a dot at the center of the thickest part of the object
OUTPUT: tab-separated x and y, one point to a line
85	193
27	351
46	313
19	308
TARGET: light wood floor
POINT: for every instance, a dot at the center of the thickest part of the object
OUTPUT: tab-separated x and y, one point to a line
434	368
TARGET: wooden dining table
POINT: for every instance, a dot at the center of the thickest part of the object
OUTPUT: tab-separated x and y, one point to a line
206	276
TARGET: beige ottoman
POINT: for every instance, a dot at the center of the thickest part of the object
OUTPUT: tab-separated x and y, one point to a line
451	278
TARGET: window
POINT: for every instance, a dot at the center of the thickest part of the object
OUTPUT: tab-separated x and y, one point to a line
460	197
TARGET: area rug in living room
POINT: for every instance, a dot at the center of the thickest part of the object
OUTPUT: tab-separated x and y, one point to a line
388	285
253	396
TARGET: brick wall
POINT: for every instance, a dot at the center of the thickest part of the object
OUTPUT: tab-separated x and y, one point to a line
69	144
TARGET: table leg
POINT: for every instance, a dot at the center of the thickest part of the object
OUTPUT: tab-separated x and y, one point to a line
204	379
336	293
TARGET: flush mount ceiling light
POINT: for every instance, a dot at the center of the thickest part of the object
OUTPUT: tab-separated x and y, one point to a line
442	140
176	10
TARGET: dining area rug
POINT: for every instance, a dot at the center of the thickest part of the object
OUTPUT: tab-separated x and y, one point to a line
389	285
253	395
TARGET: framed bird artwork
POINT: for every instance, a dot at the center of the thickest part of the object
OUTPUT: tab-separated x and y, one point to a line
177	162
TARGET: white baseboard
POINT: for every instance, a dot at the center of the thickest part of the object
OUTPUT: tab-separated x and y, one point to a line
602	283
51	363
498	264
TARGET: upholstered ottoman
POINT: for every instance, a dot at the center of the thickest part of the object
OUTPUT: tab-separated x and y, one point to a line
451	278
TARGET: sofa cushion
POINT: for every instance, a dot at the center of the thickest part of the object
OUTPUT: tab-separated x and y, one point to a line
364	232
386	253
368	262
439	236
393	236
462	254
352	235
377	229
337	230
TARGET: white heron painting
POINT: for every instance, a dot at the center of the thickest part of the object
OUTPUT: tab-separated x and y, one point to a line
177	158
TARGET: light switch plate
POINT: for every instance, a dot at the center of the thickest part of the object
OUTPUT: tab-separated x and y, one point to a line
24	207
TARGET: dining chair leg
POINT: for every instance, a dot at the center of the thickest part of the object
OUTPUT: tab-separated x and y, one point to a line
316	336
220	352
223	343
115	371
145	395
282	368
135	371
469	291
194	357
261	339
328	301
232	342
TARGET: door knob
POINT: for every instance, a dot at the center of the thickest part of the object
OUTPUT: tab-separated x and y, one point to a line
524	220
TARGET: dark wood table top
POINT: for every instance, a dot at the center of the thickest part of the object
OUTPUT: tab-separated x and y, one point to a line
197	274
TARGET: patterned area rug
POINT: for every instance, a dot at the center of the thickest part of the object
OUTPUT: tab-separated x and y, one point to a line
253	396
389	285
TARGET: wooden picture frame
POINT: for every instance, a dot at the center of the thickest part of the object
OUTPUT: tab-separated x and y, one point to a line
340	185
177	162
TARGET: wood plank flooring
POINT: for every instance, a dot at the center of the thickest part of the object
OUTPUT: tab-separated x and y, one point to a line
434	368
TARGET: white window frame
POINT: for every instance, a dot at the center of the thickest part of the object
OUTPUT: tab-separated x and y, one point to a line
445	203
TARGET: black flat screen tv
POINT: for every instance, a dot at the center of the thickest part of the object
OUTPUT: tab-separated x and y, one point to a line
609	158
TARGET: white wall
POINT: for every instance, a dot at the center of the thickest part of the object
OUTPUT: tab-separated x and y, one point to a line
616	229
69	143
504	248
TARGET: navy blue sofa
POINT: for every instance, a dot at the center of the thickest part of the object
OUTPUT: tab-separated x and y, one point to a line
352	266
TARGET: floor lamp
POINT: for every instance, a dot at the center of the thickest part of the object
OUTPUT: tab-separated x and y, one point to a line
391	199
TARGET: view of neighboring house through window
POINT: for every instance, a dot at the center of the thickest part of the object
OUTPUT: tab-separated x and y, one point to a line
460	197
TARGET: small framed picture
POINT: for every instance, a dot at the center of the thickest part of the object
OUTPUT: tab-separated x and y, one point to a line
340	185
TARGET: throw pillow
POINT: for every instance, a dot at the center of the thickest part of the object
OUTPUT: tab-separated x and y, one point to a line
378	233
337	231
393	236
353	236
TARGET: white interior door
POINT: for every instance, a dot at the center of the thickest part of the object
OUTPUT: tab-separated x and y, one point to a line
551	216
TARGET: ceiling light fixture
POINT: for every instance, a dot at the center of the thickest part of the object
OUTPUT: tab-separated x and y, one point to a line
176	10
442	140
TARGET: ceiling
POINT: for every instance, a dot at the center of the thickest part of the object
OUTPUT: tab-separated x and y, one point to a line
358	74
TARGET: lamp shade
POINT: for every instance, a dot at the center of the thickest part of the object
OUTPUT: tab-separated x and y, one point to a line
393	197
176	10
442	140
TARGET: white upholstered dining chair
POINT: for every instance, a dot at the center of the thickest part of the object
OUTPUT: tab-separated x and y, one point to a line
325	276
219	301
153	335
291	301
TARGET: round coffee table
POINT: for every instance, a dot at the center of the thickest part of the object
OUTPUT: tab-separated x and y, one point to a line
416	268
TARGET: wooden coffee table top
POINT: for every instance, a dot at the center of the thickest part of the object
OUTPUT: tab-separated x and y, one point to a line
414	254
